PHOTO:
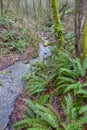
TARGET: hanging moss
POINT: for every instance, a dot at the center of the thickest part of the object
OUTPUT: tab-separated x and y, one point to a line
84	41
58	29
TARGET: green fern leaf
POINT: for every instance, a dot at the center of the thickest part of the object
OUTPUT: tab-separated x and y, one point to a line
83	109
67	72
74	87
39	129
82	92
43	99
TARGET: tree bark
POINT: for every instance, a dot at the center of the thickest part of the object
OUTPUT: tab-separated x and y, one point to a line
34	7
58	29
48	9
80	21
1	1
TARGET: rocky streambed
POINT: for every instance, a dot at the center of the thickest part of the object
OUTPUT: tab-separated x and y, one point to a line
11	84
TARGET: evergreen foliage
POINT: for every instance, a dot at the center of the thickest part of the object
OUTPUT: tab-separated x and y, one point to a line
64	74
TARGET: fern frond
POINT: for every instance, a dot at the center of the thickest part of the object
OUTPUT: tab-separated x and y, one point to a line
65	79
84	85
70	110
79	68
39	129
44	114
31	105
29	113
84	65
82	92
28	122
83	119
83	109
74	125
77	86
37	83
67	72
43	99
54	112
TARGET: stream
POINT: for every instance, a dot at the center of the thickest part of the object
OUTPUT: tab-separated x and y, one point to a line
11	84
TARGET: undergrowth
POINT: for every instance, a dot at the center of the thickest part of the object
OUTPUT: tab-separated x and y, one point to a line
64	76
13	35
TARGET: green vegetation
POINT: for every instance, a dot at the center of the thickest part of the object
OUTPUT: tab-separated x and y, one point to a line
57	89
13	36
42	118
63	77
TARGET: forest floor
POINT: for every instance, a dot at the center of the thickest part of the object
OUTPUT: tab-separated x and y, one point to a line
30	52
17	43
13	56
9	59
20	104
13	67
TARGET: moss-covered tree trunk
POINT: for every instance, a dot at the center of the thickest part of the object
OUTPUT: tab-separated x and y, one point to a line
58	29
84	38
81	28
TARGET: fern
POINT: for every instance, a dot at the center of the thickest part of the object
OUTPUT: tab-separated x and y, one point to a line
68	73
82	92
37	83
38	129
65	59
84	65
70	110
40	66
64	71
73	120
83	119
80	68
83	109
75	87
73	125
63	82
45	118
43	99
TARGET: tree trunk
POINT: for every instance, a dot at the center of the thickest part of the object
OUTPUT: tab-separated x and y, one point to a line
48	9
34	7
1	1
58	29
7	6
84	40
81	28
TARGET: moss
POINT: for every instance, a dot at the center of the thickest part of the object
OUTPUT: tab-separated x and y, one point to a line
58	30
84	41
55	15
